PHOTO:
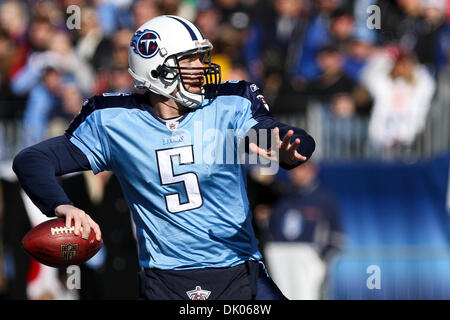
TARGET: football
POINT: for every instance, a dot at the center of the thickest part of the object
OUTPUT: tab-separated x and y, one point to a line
55	245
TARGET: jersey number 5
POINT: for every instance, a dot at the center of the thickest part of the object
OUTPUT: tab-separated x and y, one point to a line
165	160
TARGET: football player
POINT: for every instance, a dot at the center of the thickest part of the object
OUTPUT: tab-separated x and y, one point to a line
170	148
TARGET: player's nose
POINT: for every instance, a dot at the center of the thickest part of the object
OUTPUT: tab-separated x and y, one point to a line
197	70
198	63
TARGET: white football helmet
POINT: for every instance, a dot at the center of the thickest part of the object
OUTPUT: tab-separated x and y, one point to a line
154	54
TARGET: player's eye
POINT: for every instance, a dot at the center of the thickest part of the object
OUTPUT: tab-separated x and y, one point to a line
192	59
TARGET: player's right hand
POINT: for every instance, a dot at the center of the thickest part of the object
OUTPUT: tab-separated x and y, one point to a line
82	221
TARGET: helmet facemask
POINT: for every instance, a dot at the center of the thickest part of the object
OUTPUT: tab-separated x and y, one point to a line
171	71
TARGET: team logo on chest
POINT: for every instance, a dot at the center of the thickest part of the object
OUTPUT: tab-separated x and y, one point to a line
198	293
145	43
172	125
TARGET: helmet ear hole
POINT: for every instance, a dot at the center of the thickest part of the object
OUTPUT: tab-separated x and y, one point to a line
154	74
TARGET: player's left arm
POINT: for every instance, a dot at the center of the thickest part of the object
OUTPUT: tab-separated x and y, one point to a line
293	145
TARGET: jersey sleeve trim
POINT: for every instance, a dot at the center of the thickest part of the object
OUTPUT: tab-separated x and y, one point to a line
87	153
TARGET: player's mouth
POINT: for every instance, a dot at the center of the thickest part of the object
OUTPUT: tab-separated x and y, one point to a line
193	85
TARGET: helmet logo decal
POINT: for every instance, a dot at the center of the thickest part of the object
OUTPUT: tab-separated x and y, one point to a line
145	43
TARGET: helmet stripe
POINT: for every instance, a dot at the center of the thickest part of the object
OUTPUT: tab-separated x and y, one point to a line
191	32
201	33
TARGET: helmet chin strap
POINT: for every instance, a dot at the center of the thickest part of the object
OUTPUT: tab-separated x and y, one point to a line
188	99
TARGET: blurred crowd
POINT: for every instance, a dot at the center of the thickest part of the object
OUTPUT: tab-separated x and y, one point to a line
352	59
299	52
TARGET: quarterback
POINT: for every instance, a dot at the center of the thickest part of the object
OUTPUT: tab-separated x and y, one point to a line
192	217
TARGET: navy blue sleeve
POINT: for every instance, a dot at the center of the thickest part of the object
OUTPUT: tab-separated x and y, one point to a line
38	166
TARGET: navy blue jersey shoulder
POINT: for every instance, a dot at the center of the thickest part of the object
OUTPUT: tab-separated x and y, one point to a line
248	91
239	88
114	100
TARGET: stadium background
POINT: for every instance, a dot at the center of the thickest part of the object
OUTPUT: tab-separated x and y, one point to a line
368	219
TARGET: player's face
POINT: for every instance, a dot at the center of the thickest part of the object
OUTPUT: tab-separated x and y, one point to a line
193	77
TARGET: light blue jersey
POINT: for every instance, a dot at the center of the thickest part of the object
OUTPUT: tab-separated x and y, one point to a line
189	203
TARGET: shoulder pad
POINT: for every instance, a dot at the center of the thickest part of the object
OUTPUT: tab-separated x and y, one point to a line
105	101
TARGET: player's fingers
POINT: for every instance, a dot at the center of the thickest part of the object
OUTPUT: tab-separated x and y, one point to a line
286	140
68	220
96	228
293	148
86	227
295	144
300	157
254	148
276	133
77	223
